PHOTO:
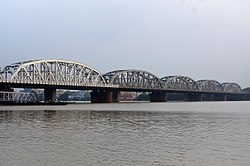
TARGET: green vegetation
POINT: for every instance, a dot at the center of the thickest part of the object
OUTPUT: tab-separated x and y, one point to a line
39	96
143	97
64	96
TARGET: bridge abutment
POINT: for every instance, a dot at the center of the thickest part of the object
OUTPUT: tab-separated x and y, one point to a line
50	95
158	97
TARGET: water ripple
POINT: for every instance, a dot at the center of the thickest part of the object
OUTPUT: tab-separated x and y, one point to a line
124	137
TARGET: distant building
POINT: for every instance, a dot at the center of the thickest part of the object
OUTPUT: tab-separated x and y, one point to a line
128	96
76	95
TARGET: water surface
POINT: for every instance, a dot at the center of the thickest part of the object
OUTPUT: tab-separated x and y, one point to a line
206	133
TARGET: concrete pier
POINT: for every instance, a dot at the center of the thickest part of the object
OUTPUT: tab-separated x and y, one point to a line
101	96
220	97
193	97
158	97
50	95
115	96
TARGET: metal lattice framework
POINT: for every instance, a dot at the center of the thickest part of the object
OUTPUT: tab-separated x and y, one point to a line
68	73
1	77
53	72
133	79
231	87
179	83
17	97
209	86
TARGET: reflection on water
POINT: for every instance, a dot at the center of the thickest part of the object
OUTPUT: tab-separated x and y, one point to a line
71	137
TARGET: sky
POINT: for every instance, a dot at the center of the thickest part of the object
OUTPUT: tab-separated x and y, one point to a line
201	39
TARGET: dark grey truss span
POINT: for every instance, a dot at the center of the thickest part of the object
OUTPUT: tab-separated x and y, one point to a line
61	72
179	83
133	79
231	87
209	86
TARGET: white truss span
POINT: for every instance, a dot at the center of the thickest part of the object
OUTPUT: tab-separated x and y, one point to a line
52	72
133	79
17	97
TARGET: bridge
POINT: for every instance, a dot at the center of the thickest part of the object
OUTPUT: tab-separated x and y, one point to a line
61	74
17	97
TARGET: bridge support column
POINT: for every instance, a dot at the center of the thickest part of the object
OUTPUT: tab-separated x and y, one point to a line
50	95
193	97
158	97
115	96
220	97
101	96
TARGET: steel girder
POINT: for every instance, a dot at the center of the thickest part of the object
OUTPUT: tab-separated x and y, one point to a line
133	79
54	72
60	72
231	87
179	83
17	97
209	86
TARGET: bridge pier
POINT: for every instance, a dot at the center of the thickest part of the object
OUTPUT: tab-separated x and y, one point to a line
49	95
115	96
101	96
158	97
220	97
193	96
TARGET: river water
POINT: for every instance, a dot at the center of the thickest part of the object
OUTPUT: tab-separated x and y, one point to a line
195	133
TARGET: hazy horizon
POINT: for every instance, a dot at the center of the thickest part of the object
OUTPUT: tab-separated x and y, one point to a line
202	39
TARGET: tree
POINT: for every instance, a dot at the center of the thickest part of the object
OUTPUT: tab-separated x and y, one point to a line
143	97
39	96
64	96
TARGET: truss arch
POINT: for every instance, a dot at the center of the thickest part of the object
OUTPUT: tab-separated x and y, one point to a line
133	78
209	86
178	83
231	87
55	72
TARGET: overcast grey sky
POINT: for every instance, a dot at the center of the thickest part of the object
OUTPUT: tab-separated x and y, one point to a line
202	39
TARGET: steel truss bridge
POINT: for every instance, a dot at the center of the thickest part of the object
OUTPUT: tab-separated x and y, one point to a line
60	74
17	97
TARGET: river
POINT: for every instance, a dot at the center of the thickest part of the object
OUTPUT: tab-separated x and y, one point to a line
185	133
